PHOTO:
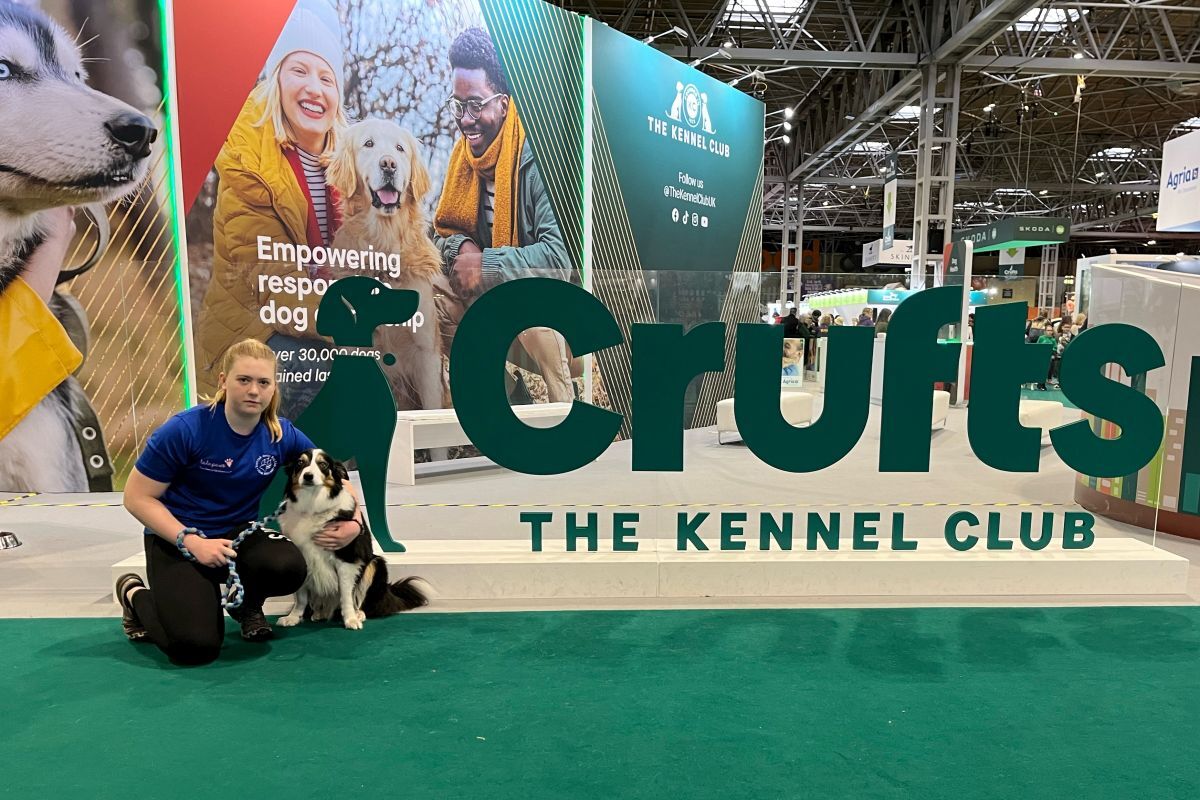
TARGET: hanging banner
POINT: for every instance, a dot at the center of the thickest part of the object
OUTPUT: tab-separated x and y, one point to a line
1016	232
1012	261
900	253
1179	185
889	202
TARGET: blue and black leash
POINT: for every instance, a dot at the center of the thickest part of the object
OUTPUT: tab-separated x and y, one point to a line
235	592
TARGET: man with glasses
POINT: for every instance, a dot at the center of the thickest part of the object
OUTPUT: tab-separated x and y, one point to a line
494	221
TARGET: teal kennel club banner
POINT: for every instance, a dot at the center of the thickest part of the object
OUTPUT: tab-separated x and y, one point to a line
687	152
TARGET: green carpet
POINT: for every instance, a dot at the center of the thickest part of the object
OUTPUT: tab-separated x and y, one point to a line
922	703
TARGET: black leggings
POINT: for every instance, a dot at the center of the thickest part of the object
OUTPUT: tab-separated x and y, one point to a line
182	609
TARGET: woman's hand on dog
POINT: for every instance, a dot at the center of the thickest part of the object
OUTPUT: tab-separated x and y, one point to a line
44	264
209	552
337	534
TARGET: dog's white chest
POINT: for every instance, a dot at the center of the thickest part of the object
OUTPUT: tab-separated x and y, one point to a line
322	570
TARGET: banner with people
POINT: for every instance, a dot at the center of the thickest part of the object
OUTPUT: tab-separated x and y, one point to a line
91	331
378	138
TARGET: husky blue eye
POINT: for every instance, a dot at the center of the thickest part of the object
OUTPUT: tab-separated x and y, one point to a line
5	70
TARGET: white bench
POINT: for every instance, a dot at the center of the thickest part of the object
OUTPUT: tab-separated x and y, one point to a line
417	430
941	407
1044	414
796	408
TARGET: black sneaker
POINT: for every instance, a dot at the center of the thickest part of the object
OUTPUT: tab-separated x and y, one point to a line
255	627
134	631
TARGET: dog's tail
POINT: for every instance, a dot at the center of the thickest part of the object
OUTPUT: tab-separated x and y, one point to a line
384	598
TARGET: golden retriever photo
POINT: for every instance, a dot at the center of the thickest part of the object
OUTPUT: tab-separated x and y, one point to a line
381	176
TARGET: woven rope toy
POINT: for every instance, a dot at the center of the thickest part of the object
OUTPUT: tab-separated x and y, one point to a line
235	592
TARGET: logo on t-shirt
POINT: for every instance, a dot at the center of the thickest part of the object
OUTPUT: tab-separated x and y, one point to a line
266	464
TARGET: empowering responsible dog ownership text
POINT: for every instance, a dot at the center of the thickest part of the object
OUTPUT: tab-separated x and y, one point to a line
308	260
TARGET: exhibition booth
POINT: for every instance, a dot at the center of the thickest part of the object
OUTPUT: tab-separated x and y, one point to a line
642	206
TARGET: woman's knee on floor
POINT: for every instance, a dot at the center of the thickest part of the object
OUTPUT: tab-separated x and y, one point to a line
194	650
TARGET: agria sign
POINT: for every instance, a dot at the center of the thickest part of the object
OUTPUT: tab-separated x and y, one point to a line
666	358
1185	178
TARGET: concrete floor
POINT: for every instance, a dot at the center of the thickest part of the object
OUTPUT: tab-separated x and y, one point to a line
70	542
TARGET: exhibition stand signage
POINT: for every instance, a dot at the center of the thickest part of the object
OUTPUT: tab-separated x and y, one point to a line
1179	184
900	253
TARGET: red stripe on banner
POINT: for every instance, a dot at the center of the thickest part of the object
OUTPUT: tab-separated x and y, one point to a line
220	49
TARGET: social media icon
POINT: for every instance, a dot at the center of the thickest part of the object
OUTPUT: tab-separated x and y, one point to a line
704	222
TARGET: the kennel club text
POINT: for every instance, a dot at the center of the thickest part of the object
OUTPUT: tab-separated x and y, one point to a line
861	530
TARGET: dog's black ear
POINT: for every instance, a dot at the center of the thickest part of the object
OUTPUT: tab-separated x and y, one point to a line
339	469
290	470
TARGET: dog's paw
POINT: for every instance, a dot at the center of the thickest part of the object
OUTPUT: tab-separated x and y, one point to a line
362	616
354	623
319	617
288	622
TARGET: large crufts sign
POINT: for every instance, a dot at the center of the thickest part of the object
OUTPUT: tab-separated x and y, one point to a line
666	359
1017	232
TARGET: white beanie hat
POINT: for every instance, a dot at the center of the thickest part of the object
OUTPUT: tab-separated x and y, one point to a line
313	27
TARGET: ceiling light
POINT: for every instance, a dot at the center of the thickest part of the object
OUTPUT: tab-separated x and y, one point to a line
1077	56
675	29
787	126
789	112
853	186
787	139
1151	242
1044	192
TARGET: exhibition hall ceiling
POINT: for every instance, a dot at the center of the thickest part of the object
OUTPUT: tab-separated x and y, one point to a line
1064	106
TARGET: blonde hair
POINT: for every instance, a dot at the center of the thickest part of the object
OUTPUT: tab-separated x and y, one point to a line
267	93
251	348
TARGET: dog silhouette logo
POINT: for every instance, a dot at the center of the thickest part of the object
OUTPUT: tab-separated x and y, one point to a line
354	414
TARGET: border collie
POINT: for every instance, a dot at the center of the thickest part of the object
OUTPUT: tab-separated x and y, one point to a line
352	580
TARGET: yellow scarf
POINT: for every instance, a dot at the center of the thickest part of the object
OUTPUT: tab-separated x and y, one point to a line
458	209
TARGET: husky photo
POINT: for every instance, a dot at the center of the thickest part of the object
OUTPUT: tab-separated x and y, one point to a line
90	360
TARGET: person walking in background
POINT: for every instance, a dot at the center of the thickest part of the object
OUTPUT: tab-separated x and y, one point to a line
494	222
881	324
272	183
791	325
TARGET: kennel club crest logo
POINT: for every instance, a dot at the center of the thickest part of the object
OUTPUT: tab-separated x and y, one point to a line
691	106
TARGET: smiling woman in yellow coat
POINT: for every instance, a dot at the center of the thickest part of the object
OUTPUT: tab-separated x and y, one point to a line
271	182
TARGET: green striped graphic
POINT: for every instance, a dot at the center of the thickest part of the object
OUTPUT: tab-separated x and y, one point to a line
541	49
741	304
617	277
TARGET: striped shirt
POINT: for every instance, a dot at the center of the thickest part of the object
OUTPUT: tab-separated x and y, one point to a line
489	202
314	176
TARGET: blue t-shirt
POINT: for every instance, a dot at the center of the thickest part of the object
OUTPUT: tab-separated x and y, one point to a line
217	476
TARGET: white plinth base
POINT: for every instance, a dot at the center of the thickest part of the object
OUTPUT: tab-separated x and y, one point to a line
482	570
